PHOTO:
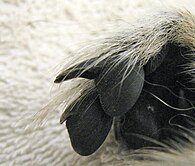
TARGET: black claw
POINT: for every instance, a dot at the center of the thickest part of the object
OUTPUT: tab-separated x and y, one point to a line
88	125
118	95
79	70
132	95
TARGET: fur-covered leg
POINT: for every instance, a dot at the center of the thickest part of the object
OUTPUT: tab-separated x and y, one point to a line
142	76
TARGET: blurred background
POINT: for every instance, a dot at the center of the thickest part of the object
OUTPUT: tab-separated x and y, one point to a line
36	36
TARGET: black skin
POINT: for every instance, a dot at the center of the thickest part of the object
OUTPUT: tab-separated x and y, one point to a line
152	118
132	104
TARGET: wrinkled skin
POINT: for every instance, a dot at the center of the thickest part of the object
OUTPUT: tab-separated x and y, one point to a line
147	103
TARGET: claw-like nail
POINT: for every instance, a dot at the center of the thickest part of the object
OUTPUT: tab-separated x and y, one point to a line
80	70
88	125
119	92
